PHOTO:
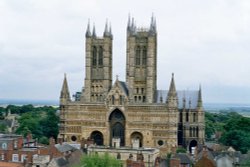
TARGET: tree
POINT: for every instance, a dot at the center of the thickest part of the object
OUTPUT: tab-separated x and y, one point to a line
237	133
238	139
29	122
96	160
49	125
181	150
3	128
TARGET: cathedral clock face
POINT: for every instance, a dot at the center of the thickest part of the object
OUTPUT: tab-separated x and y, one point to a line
4	145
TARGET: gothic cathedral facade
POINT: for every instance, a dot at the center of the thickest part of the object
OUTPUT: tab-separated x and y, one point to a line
134	109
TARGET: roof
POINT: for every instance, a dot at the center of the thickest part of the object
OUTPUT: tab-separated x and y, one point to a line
184	158
6	122
10	164
64	147
61	161
204	161
189	96
124	87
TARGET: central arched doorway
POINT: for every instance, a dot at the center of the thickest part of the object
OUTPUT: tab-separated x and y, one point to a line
117	126
97	137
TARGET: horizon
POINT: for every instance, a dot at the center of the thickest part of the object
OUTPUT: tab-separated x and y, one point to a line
51	101
201	42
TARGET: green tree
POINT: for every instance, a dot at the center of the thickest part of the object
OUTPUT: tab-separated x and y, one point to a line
49	124
2	113
181	150
14	109
29	122
237	133
44	140
99	161
3	128
239	139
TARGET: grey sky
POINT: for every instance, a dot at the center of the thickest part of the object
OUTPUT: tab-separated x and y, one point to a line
202	42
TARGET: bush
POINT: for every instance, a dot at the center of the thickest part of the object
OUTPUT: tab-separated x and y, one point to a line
95	160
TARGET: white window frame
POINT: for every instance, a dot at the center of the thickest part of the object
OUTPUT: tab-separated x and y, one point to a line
2	157
23	157
15	144
15	157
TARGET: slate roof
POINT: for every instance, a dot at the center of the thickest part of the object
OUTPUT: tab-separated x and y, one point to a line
64	147
6	122
190	96
124	87
184	158
61	161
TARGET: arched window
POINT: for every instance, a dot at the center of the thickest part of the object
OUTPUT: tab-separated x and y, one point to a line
194	117
94	56
187	119
197	132
137	56
100	58
113	100
135	98
121	99
137	90
194	132
144	56
180	116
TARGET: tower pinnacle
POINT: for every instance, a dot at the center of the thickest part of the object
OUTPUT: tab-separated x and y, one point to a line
172	94
88	33
199	102
106	32
65	97
94	33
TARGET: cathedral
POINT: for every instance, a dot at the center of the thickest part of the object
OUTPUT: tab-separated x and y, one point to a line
133	110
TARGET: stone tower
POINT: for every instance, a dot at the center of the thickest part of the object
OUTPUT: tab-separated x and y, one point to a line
98	77
141	62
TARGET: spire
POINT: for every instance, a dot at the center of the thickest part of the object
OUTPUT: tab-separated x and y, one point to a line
133	27
154	25
152	29
190	104
172	85
110	31
93	33
106	32
199	102
65	97
129	23
88	33
184	101
152	22
172	100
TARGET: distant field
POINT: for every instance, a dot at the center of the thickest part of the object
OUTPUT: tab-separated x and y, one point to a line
243	109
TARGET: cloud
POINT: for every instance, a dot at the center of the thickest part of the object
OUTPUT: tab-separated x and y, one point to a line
200	41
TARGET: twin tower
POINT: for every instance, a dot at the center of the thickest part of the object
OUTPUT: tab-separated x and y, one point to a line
141	63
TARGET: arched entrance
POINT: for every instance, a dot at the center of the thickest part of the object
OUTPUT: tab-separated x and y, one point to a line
192	146
117	126
138	136
97	137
